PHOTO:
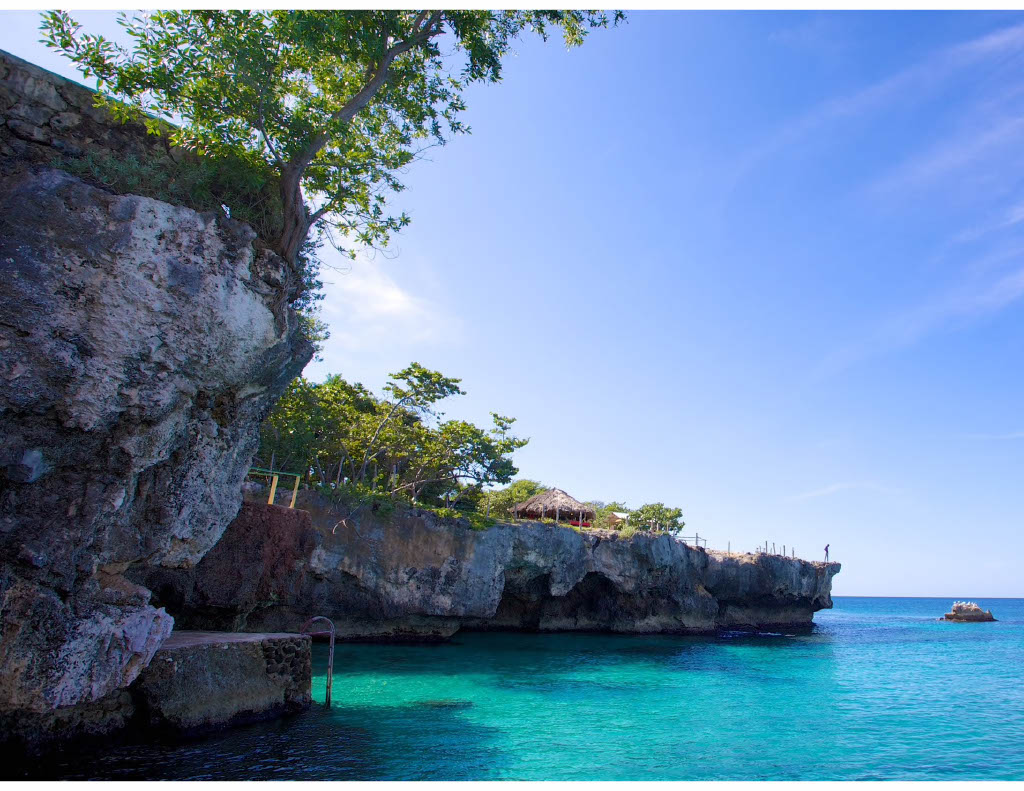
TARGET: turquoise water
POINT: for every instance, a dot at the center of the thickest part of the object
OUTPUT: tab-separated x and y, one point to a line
879	689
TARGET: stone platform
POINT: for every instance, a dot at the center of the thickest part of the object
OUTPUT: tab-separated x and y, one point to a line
199	681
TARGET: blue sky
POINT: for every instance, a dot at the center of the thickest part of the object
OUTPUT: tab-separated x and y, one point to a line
763	266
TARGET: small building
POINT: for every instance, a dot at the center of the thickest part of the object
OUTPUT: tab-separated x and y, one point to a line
555	504
616	518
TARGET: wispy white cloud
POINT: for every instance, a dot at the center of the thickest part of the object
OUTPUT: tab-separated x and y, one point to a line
969	301
835	488
964	151
974	164
1006	218
913	83
1001	41
998	437
365	306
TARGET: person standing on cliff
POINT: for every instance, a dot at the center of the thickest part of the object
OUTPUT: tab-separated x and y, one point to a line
826	553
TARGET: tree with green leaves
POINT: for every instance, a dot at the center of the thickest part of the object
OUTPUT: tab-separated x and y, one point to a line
318	427
336	433
499	502
337	103
414	389
462	457
656	516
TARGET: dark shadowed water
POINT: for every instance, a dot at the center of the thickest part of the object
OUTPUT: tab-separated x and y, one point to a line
880	689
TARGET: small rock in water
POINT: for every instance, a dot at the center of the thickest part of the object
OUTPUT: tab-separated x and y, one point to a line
968	611
447	704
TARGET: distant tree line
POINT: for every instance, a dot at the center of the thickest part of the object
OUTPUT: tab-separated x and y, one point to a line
499	503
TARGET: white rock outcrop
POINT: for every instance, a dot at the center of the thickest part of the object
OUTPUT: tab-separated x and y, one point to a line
141	344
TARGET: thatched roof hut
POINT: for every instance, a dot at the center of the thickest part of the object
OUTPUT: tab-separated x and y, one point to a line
554	504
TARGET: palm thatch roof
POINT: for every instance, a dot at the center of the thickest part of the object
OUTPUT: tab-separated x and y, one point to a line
553	504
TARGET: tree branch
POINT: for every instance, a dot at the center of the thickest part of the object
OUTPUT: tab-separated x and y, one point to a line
362	98
322	211
373	439
260	123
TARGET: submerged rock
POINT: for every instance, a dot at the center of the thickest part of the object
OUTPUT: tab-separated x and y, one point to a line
446	704
968	611
415	576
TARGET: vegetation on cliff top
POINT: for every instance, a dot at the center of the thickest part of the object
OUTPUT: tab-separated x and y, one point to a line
340	435
370	452
373	452
334	103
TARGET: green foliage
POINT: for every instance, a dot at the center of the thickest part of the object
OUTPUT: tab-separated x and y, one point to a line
443	512
248	189
603	515
310	294
656	516
628	530
341	435
314	329
419	388
357	498
474	520
498	503
336	102
479	522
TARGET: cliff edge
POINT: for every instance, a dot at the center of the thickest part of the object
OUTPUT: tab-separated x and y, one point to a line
415	576
141	345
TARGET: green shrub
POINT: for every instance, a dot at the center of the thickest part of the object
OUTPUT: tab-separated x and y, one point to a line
479	522
444	513
628	531
474	520
357	499
248	189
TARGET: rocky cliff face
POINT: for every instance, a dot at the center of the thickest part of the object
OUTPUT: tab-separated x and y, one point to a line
141	345
413	576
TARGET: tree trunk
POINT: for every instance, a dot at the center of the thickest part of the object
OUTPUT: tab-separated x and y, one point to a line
296	221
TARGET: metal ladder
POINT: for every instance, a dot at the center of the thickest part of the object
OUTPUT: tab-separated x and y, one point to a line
330	656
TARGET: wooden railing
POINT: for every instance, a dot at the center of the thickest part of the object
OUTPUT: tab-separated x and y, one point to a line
274	476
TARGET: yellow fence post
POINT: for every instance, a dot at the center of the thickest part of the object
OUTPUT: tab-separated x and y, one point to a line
273	491
295	492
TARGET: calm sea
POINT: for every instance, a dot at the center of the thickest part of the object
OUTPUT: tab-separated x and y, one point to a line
879	689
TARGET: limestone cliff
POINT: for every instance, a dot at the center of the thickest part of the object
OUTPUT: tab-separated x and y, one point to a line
415	576
141	345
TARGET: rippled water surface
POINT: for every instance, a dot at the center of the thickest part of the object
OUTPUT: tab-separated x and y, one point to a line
879	689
